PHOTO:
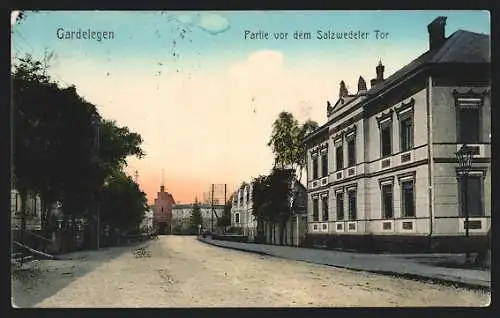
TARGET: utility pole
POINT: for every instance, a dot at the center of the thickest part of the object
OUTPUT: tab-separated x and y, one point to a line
225	207
297	229
97	123
136	176
212	220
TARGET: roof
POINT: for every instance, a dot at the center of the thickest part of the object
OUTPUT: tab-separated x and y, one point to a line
344	101
460	47
202	206
316	132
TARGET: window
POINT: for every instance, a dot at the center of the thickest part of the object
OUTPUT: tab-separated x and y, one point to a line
386	140
315	168
340	205
325	208
468	116
324	164
248	195
352	204
351	152
315	210
33	206
237	218
469	125
387	201
474	191
339	157
406	133
408	198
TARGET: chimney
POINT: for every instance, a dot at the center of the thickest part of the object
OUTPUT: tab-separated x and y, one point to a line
361	85
380	72
343	90
162	189
436	33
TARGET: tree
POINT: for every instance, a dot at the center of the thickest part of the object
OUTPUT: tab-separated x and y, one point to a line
196	218
123	204
225	220
32	135
286	142
290	158
280	194
261	198
55	143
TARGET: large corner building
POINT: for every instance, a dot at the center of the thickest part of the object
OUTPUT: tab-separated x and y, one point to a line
382	171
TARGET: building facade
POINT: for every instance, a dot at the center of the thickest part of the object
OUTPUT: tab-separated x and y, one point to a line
163	211
147	221
242	216
181	216
33	211
382	172
241	211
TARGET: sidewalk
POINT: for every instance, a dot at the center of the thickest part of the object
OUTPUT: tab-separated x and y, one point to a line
421	266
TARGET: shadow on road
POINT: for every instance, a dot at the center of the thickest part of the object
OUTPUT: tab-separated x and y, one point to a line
39	280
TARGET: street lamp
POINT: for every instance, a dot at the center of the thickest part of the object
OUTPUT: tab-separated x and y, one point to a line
96	124
464	157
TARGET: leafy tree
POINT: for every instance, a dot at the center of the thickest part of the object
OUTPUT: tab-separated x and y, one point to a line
261	198
225	220
33	136
55	142
280	194
123	204
286	142
116	145
196	217
290	159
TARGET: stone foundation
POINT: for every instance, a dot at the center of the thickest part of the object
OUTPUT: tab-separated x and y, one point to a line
398	243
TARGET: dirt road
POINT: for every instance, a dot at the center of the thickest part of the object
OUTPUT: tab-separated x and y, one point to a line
183	272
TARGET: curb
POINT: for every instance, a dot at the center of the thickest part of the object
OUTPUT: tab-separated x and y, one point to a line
408	276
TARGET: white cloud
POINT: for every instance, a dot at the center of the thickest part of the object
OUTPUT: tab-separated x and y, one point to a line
212	23
208	22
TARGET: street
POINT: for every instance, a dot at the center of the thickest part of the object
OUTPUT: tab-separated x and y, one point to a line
179	271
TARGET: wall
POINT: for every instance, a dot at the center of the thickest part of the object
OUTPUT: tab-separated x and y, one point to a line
419	132
444	113
181	215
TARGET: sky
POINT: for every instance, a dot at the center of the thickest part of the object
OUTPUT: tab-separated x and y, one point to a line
203	95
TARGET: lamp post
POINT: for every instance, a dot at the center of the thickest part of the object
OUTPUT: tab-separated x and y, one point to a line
96	124
464	157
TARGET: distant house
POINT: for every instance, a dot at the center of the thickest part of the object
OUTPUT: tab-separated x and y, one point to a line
242	209
147	221
33	211
382	171
242	215
181	216
162	217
